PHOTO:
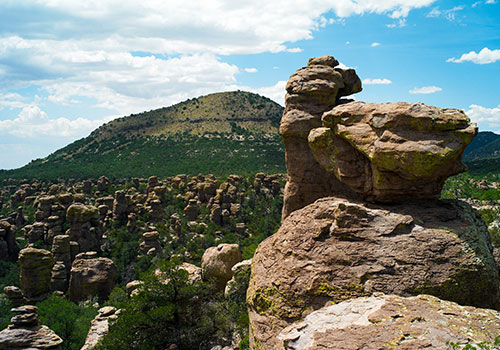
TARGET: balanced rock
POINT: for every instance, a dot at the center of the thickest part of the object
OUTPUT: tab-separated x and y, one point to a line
311	91
35	272
392	322
392	151
216	263
26	333
90	277
8	245
15	295
336	249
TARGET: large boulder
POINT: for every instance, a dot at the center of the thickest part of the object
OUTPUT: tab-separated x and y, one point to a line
35	273
392	322
392	151
311	91
91	277
336	249
216	263
8	245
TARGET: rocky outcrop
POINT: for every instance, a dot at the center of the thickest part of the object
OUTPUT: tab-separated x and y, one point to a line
26	333
91	277
217	262
392	322
35	273
99	326
345	249
337	240
238	284
311	91
150	244
392	151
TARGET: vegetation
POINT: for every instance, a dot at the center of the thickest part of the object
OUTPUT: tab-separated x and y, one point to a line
69	321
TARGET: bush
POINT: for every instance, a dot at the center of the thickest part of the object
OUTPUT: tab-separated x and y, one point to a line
70	321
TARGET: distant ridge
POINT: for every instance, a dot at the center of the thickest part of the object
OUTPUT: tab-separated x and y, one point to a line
221	133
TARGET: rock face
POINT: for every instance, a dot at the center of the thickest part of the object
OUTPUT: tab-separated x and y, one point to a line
392	322
91	277
35	273
99	326
392	151
26	333
217	262
311	91
345	249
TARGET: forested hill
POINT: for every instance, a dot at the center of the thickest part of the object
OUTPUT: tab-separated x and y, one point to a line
221	133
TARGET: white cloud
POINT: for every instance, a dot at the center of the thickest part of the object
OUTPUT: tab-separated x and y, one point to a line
399	24
491	2
375	44
376	81
486	118
33	122
251	70
425	90
276	92
484	56
12	100
295	50
449	14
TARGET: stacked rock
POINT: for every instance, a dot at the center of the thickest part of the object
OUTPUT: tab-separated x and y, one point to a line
26	333
311	91
361	216
150	244
84	226
35	273
15	295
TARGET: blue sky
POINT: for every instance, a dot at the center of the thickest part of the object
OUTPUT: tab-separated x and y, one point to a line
68	66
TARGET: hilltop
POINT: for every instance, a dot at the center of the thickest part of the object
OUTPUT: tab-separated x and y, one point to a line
219	133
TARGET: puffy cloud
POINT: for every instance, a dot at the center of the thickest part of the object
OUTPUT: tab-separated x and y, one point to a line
425	90
376	81
251	70
33	122
11	100
275	92
486	118
484	56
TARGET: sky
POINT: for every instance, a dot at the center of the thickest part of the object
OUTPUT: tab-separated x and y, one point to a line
67	67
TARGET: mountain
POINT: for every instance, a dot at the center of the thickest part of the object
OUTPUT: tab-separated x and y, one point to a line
485	145
221	133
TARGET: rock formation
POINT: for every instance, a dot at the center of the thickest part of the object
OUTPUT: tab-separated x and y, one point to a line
99	326
35	273
26	333
8	245
392	322
311	91
361	214
217	262
84	226
91	277
392	152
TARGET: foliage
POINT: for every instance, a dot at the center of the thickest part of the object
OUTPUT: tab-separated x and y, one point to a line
168	310
70	321
5	314
479	346
9	274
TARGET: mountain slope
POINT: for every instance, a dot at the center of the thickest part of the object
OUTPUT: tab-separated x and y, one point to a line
485	145
222	133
